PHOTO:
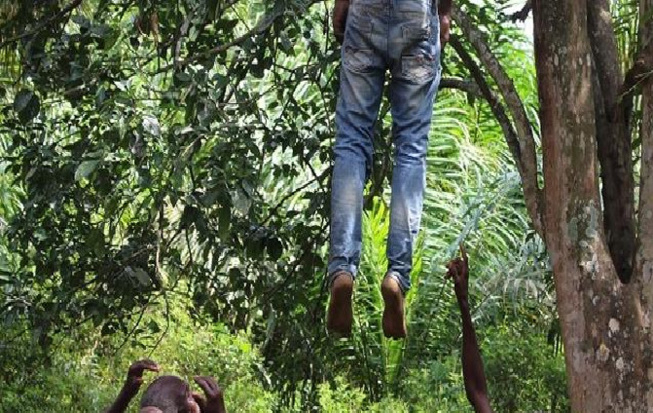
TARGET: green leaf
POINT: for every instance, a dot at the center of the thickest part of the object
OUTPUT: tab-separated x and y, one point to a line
27	105
274	248
224	222
153	326
86	168
139	274
95	241
151	125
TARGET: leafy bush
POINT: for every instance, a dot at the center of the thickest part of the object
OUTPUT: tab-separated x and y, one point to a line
86	371
436	387
343	398
208	177
523	373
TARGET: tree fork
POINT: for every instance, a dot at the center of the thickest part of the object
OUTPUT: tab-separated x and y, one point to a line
600	317
613	138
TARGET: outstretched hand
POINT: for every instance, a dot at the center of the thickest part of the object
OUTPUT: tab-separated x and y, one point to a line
214	401
136	370
458	271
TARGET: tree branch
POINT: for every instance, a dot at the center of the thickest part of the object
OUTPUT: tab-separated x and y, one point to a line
263	25
522	14
613	140
525	157
42	25
498	110
260	27
469	86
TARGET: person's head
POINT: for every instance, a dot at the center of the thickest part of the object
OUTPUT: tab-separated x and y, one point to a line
168	394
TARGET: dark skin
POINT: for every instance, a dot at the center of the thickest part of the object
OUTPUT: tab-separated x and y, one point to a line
444	11
211	402
473	373
341	10
132	384
168	391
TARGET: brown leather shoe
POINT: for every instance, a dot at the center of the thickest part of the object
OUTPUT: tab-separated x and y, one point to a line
394	322
340	316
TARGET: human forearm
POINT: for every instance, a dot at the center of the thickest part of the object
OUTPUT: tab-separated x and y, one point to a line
473	373
132	384
125	396
221	406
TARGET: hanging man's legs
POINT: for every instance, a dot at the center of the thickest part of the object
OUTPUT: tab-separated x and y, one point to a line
401	35
415	64
361	87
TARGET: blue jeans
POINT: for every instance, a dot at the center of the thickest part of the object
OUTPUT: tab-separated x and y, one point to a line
402	37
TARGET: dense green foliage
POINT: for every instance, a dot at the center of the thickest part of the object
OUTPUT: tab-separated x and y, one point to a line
164	190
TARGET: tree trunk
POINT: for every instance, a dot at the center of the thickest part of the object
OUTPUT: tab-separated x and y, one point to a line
644	258
613	138
607	362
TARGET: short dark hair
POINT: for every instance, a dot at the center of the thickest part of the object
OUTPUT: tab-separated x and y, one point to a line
167	393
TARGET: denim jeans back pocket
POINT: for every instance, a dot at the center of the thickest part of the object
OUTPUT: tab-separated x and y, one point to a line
359	60
419	68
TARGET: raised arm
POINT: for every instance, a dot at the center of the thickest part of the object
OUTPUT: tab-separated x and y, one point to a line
132	385
213	400
473	373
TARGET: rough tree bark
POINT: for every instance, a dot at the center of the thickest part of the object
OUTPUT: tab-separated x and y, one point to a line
644	258
605	325
602	254
613	138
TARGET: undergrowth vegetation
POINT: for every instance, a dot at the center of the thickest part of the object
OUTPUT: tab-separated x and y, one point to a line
164	197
